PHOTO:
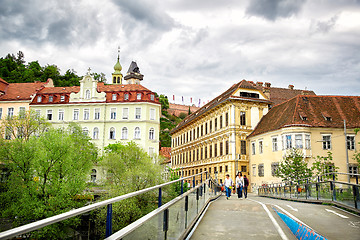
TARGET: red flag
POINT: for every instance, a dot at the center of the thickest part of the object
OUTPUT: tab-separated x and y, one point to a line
173	97
191	99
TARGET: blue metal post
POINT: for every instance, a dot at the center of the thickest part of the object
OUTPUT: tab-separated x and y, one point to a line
194	181
182	186
160	198
109	221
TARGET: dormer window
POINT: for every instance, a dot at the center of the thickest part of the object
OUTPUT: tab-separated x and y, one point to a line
326	116
138	96
126	96
152	97
51	98
62	98
39	99
114	96
87	94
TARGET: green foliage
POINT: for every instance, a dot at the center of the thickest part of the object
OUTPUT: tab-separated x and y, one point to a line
182	115
293	166
356	156
14	70
323	165
129	168
46	175
164	102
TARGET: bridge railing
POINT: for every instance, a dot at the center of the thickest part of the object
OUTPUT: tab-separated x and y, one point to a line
317	189
165	219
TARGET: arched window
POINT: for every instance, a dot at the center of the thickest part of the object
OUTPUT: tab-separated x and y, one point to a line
96	133
124	133
114	80
137	133
87	94
93	175
112	133
151	134
85	131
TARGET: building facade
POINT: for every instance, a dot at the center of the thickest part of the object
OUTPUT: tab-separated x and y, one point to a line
107	113
312	124
213	138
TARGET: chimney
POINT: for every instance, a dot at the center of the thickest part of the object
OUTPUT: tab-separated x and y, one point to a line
259	84
251	82
267	84
291	87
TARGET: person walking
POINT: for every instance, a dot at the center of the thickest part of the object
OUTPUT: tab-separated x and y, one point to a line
246	184
228	185
239	184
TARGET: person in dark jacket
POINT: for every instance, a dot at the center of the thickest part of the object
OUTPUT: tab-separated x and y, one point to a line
246	184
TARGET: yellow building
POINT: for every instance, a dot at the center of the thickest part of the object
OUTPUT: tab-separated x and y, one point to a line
312	124
213	138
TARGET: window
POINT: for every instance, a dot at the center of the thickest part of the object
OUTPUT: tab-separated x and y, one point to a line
51	98
0	113
124	133
221	148
113	113
152	113
152	97
226	147
353	169
39	99
205	153
221	121
215	123
220	169
210	124
202	130
97	114
253	148
137	113
137	133
138	96
326	142
243	147
126	96
49	115
76	114
151	151
112	133
260	146
93	175
215	150
226	168
274	168
151	134
10	112
206	128
298	141
242	118
85	131
96	133
227	119
209	169
87	94
288	141
210	151
274	144
62	98
307	141
254	169
22	112
350	142
8	133
86	114
61	114
261	170
243	169
113	97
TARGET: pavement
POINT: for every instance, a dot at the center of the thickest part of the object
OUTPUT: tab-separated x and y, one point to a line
255	218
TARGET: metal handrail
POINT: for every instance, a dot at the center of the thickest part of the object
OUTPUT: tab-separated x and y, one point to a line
75	212
131	227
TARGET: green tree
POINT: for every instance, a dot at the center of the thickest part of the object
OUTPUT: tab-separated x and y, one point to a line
129	168
47	176
356	156
323	165
182	115
53	72
293	166
99	77
164	102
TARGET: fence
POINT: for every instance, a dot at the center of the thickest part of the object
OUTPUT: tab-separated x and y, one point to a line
340	193
171	220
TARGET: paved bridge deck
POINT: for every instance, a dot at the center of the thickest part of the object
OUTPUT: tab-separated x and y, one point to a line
248	219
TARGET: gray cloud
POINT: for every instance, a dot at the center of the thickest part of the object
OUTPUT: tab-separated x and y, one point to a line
323	26
273	9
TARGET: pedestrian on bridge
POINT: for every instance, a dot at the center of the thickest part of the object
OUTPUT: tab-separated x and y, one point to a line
246	184
228	185
239	184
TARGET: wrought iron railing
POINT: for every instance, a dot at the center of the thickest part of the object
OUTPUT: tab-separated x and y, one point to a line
319	188
161	223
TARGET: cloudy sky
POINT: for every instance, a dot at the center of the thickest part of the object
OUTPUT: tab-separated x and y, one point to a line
194	48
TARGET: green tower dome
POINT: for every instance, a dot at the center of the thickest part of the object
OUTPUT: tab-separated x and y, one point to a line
117	67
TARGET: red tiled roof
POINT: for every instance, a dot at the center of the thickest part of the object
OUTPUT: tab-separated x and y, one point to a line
312	111
19	91
166	152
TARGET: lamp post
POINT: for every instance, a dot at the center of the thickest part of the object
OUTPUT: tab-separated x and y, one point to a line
216	175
